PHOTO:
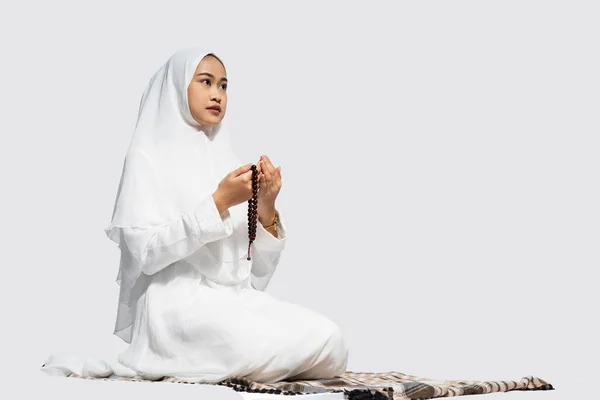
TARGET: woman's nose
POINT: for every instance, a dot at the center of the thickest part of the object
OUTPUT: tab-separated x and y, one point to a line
215	96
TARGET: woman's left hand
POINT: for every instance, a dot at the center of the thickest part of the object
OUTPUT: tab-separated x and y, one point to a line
269	179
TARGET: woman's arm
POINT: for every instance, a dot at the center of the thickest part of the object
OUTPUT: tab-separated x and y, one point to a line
156	247
266	253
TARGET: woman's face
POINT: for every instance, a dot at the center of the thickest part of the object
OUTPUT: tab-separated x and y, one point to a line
208	88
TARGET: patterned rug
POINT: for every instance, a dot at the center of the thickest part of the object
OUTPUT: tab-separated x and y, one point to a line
370	385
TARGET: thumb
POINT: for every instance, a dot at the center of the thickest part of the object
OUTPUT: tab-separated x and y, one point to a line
241	169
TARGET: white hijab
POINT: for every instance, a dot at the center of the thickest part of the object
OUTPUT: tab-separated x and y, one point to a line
172	164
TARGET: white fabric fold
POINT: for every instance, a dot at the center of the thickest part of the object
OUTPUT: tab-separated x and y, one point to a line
158	246
266	253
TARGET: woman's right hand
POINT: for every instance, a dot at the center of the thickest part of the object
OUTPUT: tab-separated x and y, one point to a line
235	188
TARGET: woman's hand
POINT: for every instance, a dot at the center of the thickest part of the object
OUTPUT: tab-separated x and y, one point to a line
269	179
235	187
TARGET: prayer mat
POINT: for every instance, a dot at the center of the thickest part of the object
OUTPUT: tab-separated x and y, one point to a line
370	385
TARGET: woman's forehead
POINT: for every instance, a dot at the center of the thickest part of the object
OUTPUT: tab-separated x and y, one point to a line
212	66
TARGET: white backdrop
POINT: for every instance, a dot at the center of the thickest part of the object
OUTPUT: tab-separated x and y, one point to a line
439	161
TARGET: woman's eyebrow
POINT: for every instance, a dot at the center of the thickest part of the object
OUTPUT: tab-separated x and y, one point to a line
211	75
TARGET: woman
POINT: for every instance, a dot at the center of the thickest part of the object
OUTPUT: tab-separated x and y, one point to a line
192	305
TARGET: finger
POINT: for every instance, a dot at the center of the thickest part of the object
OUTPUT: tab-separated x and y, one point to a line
247	176
268	175
277	174
262	169
242	169
269	165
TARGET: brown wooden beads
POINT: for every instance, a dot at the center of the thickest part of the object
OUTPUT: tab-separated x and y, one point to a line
253	209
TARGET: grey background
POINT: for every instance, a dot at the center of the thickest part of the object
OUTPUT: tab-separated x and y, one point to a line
439	164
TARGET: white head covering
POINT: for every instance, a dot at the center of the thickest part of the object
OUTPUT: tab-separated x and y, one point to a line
172	164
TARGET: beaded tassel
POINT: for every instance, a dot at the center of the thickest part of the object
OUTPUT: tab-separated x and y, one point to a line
253	209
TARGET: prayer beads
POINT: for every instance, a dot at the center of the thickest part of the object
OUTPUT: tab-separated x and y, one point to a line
253	209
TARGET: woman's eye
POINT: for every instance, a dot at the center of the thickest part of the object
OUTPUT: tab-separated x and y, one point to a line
224	87
205	80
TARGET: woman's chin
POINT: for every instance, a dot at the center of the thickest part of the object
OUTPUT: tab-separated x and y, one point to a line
209	121
213	120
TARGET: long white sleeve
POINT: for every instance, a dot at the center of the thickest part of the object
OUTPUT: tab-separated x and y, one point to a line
266	253
157	247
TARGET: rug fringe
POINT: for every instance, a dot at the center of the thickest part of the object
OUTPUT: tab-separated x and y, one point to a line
364	394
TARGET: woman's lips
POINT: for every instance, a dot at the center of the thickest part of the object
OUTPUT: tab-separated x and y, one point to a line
214	111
